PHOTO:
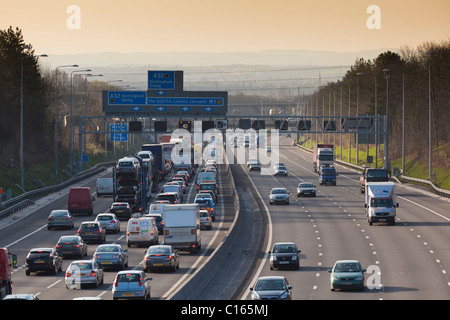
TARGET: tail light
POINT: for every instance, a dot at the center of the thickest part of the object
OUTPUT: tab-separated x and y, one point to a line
115	282
140	281
169	257
93	273
76	245
78	231
152	232
67	274
58	246
113	221
99	231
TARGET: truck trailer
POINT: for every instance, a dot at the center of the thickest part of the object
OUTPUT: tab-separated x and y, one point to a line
323	154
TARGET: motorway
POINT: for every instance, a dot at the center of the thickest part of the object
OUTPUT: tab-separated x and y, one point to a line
407	261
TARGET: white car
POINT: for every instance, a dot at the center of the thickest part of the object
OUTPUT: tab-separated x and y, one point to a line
280	170
83	272
279	195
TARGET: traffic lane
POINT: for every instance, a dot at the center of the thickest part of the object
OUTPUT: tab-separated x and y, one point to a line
424	236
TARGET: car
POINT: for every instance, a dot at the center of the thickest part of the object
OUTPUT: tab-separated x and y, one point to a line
128	168
306	189
207	204
109	222
206	195
208	186
284	254
131	284
111	256
173	197
122	210
205	219
82	272
179	182
21	296
347	274
43	259
161	256
92	231
280	170
158	217
212	193
251	160
255	166
71	246
268	149
279	195
271	288
60	219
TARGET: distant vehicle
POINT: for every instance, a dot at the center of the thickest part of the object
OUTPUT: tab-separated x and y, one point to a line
306	189
128	168
161	256
284	255
327	175
373	175
122	210
131	284
92	231
71	246
111	256
347	274
60	219
82	272
109	221
323	154
272	288
279	195
80	200
255	166
21	296
104	186
207	204
43	259
280	170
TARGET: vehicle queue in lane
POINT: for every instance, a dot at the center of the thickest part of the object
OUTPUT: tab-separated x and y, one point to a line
94	230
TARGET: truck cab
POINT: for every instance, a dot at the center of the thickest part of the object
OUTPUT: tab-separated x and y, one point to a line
327	175
7	260
380	202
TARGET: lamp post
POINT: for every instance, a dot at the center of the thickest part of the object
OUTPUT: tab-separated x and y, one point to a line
386	137
21	117
56	116
71	118
429	118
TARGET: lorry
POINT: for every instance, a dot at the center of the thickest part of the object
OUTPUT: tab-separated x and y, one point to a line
380	202
7	261
373	175
132	186
157	149
150	161
182	226
327	175
323	154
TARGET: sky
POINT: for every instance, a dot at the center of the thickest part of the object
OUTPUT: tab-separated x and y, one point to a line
91	26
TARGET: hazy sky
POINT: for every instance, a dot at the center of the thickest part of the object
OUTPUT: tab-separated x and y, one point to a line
224	25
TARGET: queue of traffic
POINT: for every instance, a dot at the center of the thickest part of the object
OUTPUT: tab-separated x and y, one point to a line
168	215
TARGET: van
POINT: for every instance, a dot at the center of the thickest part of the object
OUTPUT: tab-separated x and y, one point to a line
81	200
142	231
105	186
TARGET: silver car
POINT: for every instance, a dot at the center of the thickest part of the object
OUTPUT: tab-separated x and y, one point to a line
205	220
272	288
306	189
131	284
109	222
111	256
60	219
280	171
279	195
83	272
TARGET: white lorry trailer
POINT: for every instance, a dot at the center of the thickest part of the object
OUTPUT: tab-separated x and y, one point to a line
380	202
182	226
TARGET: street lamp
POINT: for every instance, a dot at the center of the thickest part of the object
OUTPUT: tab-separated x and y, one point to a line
21	116
71	117
56	116
429	117
386	136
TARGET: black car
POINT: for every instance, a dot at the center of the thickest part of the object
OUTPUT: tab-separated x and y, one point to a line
122	210
284	255
43	259
71	246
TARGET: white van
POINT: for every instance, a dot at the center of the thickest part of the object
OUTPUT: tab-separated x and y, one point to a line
142	231
104	186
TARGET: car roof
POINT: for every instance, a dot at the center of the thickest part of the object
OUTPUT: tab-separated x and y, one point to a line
347	261
271	278
130	271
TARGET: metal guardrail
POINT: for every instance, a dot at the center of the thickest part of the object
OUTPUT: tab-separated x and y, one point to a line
17	203
437	190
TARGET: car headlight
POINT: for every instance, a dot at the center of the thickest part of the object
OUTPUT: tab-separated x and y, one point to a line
284	295
335	278
359	278
294	258
255	296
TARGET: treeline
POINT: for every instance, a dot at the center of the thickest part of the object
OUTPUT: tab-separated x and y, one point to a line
418	78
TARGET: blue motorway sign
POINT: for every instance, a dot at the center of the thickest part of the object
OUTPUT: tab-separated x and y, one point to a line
161	80
117	98
116	134
193	101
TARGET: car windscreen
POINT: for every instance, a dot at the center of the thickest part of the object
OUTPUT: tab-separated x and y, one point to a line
347	267
279	191
276	284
